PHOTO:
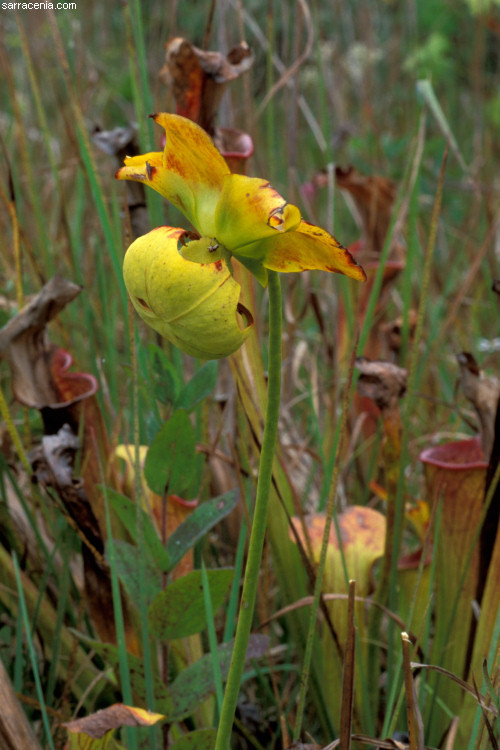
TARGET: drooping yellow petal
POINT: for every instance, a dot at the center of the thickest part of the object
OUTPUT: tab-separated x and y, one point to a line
306	248
189	173
249	209
193	164
146	168
193	305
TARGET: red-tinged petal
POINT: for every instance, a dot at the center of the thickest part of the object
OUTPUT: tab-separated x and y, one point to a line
249	210
149	169
189	173
194	166
143	168
307	248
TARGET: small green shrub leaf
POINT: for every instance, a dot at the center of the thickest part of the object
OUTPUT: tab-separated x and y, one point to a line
171	459
126	509
127	565
179	610
196	682
198	523
161	375
110	655
201	384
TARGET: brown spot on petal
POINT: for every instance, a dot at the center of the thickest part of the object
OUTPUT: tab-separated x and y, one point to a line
245	313
143	304
150	170
139	176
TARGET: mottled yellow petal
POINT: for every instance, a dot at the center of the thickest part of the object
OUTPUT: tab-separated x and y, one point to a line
189	173
193	305
194	166
306	248
149	169
249	209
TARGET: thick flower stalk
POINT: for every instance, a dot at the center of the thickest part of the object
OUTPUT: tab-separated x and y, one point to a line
233	216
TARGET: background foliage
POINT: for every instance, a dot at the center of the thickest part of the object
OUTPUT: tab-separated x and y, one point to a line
357	99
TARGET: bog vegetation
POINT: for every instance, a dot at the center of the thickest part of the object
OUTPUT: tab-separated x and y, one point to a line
128	469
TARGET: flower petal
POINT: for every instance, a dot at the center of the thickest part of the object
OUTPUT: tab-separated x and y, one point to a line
307	248
193	162
189	173
249	209
193	305
149	169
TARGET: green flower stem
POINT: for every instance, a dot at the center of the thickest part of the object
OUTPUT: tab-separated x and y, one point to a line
247	604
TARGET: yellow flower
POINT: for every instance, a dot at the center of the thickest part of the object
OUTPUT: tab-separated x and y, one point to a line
234	215
181	282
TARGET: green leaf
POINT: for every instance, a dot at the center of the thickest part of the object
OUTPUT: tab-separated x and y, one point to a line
191	686
162	376
201	384
196	682
198	523
171	459
200	739
126	510
128	565
179	610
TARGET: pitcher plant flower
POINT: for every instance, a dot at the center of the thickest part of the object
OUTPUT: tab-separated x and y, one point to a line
181	282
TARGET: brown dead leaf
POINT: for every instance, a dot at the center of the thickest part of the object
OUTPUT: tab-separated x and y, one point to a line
41	379
15	729
53	463
198	78
392	331
53	466
118	715
26	347
383	382
484	393
374	198
122	142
